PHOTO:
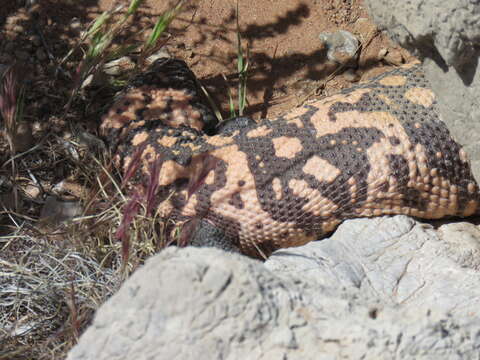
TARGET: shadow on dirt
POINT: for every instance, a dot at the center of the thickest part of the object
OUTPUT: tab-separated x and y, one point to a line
42	34
268	71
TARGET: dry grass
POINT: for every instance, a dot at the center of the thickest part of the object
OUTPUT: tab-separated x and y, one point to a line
48	294
55	274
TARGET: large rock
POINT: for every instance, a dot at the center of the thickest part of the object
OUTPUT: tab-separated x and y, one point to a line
388	288
395	261
446	34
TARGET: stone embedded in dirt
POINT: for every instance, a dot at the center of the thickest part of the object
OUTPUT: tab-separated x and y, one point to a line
391	56
90	141
118	66
57	210
32	190
351	75
341	46
19	29
99	79
162	53
394	57
76	25
382	53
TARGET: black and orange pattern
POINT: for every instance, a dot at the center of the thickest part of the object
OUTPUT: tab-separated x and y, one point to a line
377	148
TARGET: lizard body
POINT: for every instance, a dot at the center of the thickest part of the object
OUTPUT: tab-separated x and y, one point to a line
378	148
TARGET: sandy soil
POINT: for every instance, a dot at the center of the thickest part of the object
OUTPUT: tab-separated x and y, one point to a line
287	59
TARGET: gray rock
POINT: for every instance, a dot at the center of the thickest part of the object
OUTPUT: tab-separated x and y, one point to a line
19	29
396	261
56	210
446	34
463	243
387	288
23	139
341	46
100	78
162	53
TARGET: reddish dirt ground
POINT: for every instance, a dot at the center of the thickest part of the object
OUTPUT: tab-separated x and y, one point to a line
287	60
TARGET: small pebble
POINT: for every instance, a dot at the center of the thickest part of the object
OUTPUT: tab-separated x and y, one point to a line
100	79
56	210
118	66
162	53
32	191
351	75
23	139
75	24
341	46
382	53
394	57
18	29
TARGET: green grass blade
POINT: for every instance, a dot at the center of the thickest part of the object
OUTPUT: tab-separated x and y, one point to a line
98	23
162	24
242	66
134	5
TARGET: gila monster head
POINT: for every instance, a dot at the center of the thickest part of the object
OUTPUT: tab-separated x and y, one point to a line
159	119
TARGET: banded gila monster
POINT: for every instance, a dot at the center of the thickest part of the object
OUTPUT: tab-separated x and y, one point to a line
374	149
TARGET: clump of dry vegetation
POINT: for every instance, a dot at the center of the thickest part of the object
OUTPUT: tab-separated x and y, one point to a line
48	294
69	231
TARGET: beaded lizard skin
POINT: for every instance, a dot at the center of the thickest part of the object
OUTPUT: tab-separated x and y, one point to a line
375	149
